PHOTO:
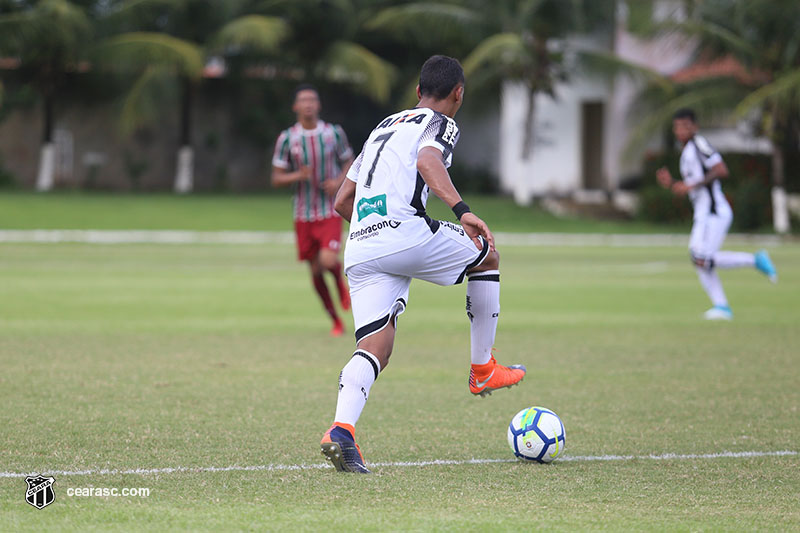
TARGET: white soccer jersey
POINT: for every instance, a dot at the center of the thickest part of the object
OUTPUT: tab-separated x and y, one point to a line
697	158
389	207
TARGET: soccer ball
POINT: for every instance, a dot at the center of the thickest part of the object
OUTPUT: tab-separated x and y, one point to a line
536	434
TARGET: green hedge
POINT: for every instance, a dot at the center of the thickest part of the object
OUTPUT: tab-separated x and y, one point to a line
7	179
747	190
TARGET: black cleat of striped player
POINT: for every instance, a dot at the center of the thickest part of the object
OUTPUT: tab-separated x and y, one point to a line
340	447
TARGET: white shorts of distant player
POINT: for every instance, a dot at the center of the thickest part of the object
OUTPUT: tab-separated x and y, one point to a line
710	226
379	288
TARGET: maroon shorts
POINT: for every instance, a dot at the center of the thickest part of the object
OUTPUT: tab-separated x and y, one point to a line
314	236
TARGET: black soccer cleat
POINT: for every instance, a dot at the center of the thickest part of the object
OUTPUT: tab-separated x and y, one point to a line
340	447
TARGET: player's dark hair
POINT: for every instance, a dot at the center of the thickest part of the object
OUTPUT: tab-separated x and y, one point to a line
304	87
439	76
685	113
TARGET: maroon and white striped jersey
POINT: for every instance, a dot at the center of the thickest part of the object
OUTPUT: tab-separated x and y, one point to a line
324	149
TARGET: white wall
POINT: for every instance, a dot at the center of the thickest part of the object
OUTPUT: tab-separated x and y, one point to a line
555	167
555	163
665	56
478	142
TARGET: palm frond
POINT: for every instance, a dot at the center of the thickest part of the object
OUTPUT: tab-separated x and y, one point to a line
252	32
16	29
408	98
52	27
349	62
145	100
425	21
640	18
498	51
728	40
134	12
608	65
528	9
712	96
785	88
404	16
140	50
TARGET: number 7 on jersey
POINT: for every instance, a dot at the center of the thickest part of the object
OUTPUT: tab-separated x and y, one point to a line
379	139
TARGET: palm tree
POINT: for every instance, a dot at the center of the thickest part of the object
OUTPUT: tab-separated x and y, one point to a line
520	41
327	44
174	41
49	37
761	37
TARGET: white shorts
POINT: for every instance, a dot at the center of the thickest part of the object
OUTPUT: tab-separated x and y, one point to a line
379	287
708	234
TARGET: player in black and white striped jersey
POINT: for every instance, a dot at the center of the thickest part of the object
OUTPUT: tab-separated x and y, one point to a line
702	168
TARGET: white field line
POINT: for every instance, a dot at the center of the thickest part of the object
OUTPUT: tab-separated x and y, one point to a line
146	236
287	237
400	464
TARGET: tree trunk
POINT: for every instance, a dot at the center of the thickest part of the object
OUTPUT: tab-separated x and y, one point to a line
184	175
522	189
527	143
780	204
47	156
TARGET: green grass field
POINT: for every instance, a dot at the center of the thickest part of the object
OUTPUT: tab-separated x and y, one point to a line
155	356
25	210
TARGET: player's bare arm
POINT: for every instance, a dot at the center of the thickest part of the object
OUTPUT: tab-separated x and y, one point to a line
664	177
332	186
435	175
717	172
282	178
344	199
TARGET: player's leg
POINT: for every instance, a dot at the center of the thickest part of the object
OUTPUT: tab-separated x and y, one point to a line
329	261
318	280
329	235
355	381
716	231
308	250
447	259
483	307
483	310
724	259
703	244
760	260
378	299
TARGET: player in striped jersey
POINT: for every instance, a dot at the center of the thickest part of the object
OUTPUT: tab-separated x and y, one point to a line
314	156
702	168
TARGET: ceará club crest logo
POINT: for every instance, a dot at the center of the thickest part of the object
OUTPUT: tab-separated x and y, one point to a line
40	491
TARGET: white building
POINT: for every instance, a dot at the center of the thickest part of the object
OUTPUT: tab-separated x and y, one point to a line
580	136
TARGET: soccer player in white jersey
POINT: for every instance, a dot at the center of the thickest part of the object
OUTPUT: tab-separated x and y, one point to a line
702	168
392	240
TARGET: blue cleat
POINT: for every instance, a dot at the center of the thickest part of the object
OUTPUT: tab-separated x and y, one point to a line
719	312
340	447
764	265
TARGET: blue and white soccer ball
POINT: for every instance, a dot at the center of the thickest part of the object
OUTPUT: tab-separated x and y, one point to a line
536	434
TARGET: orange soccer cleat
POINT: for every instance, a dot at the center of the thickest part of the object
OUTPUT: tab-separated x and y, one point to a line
483	379
339	445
